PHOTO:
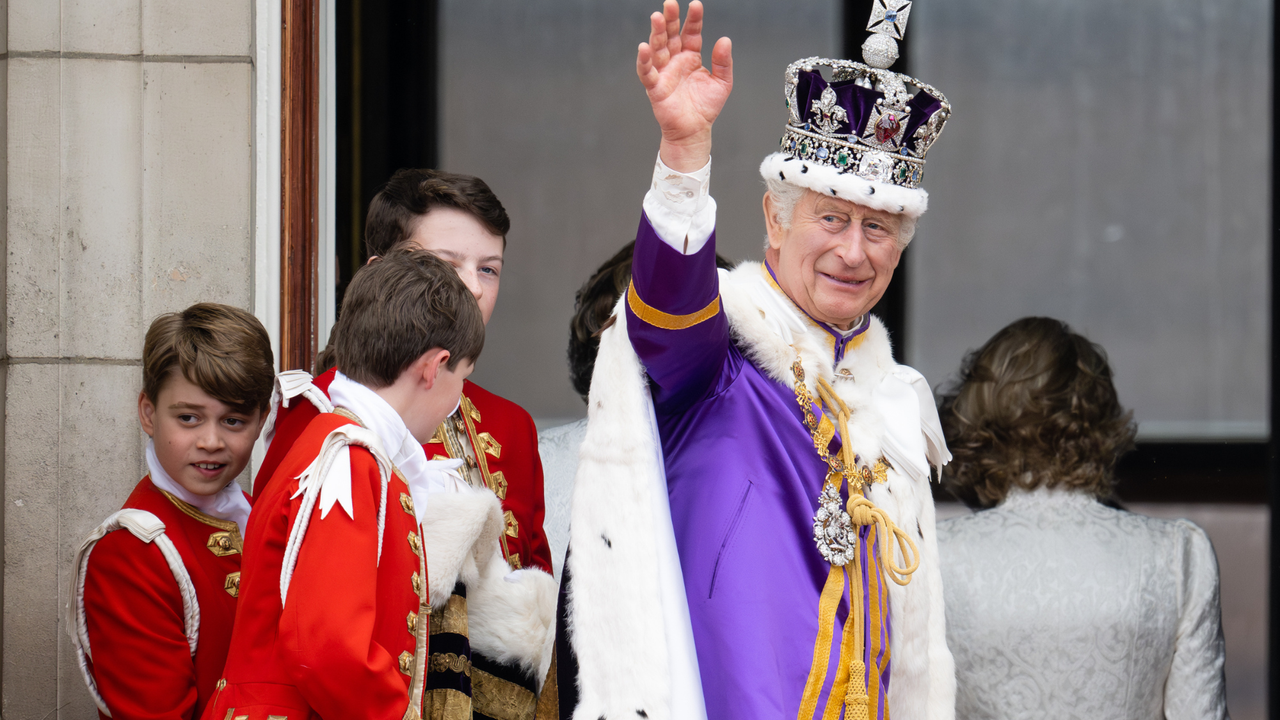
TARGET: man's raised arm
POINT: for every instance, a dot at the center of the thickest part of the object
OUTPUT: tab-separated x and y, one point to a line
675	320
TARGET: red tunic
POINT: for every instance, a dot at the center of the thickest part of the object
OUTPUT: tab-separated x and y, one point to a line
141	661
344	644
504	441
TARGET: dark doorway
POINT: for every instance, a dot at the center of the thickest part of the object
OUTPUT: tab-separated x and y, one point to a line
387	69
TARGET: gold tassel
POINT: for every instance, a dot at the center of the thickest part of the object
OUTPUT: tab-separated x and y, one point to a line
855	695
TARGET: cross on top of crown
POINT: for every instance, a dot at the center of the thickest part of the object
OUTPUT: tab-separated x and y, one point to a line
889	17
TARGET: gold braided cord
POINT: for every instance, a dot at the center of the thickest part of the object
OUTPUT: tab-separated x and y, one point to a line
849	688
865	512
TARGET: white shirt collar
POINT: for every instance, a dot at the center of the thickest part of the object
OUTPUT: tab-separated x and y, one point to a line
229	503
423	476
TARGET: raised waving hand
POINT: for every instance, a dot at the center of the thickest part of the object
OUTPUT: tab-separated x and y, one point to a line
685	96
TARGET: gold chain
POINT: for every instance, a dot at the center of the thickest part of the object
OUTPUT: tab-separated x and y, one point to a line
837	468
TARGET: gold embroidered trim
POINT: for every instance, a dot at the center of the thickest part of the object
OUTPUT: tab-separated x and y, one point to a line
406	663
348	415
415	544
417	584
499	699
549	698
232	584
412	622
667	321
458	445
499	484
469	412
452	618
406	503
438	435
450	662
447	704
421	639
489	445
223	543
512	526
193	512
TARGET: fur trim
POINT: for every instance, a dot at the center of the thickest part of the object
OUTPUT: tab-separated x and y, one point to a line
511	615
459	534
616	619
827	180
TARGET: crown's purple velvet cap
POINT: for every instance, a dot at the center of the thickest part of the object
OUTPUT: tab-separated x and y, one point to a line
858	102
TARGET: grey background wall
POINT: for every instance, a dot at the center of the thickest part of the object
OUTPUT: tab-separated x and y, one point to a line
542	101
1107	165
128	141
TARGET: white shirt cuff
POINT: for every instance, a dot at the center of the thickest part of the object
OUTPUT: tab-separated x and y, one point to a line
680	207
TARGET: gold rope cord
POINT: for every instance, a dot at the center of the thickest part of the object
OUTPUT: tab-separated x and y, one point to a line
849	688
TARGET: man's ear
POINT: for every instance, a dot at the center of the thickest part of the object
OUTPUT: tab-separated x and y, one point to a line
433	362
371	259
147	414
772	225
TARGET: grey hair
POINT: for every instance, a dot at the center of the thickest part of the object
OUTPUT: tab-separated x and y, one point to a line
787	195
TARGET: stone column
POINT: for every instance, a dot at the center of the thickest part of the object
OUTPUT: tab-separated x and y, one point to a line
129	193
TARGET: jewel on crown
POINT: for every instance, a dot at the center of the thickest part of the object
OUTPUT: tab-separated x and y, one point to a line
867	119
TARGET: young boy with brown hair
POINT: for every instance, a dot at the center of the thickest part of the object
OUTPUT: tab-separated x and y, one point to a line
152	608
335	614
458	218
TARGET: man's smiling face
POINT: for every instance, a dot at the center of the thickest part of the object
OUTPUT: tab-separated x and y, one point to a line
835	259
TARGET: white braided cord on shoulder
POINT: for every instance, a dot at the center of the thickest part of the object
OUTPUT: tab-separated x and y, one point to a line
149	529
288	385
327	474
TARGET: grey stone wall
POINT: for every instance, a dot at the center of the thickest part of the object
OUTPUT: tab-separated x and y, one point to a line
129	192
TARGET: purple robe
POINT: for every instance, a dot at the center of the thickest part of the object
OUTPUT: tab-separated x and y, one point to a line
743	480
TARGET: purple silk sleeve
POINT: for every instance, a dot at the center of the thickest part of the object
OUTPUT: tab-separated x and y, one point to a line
674	320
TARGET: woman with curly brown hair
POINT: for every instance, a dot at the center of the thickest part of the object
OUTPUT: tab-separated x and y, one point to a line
1058	605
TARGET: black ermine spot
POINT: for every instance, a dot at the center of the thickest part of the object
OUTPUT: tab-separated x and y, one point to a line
804	168
642	713
871	191
784	177
607	541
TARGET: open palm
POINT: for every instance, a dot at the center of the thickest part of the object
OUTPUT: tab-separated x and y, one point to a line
685	96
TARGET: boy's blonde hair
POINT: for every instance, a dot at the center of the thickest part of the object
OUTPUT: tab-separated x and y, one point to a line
223	350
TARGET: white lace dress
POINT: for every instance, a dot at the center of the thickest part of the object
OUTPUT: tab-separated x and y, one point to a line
1060	607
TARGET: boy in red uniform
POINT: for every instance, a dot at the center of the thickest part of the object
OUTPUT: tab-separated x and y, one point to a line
458	218
335	615
152	607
